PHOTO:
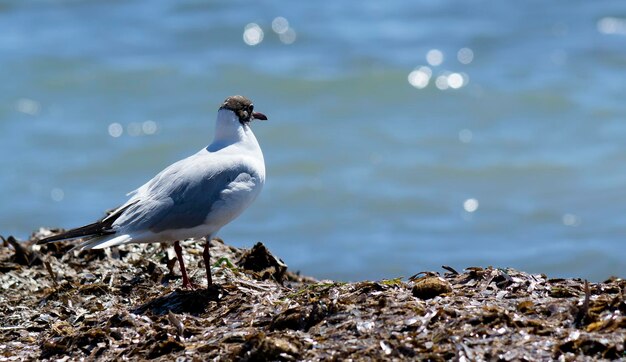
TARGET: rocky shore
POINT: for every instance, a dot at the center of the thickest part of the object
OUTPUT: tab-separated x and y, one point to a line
127	303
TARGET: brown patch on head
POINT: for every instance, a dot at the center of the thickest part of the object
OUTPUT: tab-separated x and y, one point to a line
242	107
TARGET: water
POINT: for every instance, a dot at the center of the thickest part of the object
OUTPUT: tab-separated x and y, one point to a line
520	162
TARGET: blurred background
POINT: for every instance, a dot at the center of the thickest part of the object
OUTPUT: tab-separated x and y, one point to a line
402	136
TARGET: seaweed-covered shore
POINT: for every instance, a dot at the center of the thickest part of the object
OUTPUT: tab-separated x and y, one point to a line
126	303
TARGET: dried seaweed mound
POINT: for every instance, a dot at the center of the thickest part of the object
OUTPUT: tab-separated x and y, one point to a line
127	303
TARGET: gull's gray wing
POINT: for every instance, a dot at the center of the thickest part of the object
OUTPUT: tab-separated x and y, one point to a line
182	195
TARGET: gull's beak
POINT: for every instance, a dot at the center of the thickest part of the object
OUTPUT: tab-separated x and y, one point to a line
257	115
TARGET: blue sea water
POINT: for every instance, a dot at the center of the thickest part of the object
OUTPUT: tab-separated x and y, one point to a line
402	136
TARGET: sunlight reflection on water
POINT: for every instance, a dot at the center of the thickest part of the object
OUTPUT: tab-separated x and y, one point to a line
426	133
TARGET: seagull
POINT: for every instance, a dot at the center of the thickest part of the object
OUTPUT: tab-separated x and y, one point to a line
191	198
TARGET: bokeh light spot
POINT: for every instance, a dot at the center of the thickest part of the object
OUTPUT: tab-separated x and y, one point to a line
420	77
252	34
115	129
27	106
465	55
465	136
149	127
610	25
280	25
442	82
455	80
434	57
288	37
57	194
571	220
470	205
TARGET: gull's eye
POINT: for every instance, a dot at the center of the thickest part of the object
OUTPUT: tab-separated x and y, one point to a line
251	108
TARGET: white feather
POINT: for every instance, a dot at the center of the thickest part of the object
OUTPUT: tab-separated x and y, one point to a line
104	242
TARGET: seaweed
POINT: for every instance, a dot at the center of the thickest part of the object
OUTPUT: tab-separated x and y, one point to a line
127	303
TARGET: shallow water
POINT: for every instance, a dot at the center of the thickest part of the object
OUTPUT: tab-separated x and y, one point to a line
510	152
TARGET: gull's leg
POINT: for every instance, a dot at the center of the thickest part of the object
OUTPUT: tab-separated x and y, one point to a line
207	261
183	271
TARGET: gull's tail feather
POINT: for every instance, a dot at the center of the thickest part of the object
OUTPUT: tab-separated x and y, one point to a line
101	242
101	228
92	230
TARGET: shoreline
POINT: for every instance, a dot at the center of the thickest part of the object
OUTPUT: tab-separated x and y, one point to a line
128	302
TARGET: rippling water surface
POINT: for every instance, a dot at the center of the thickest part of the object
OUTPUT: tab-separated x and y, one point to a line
402	136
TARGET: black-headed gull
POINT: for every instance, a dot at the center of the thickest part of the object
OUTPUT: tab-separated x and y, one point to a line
191	198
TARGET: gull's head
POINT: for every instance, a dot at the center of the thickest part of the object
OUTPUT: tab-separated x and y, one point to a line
242	108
